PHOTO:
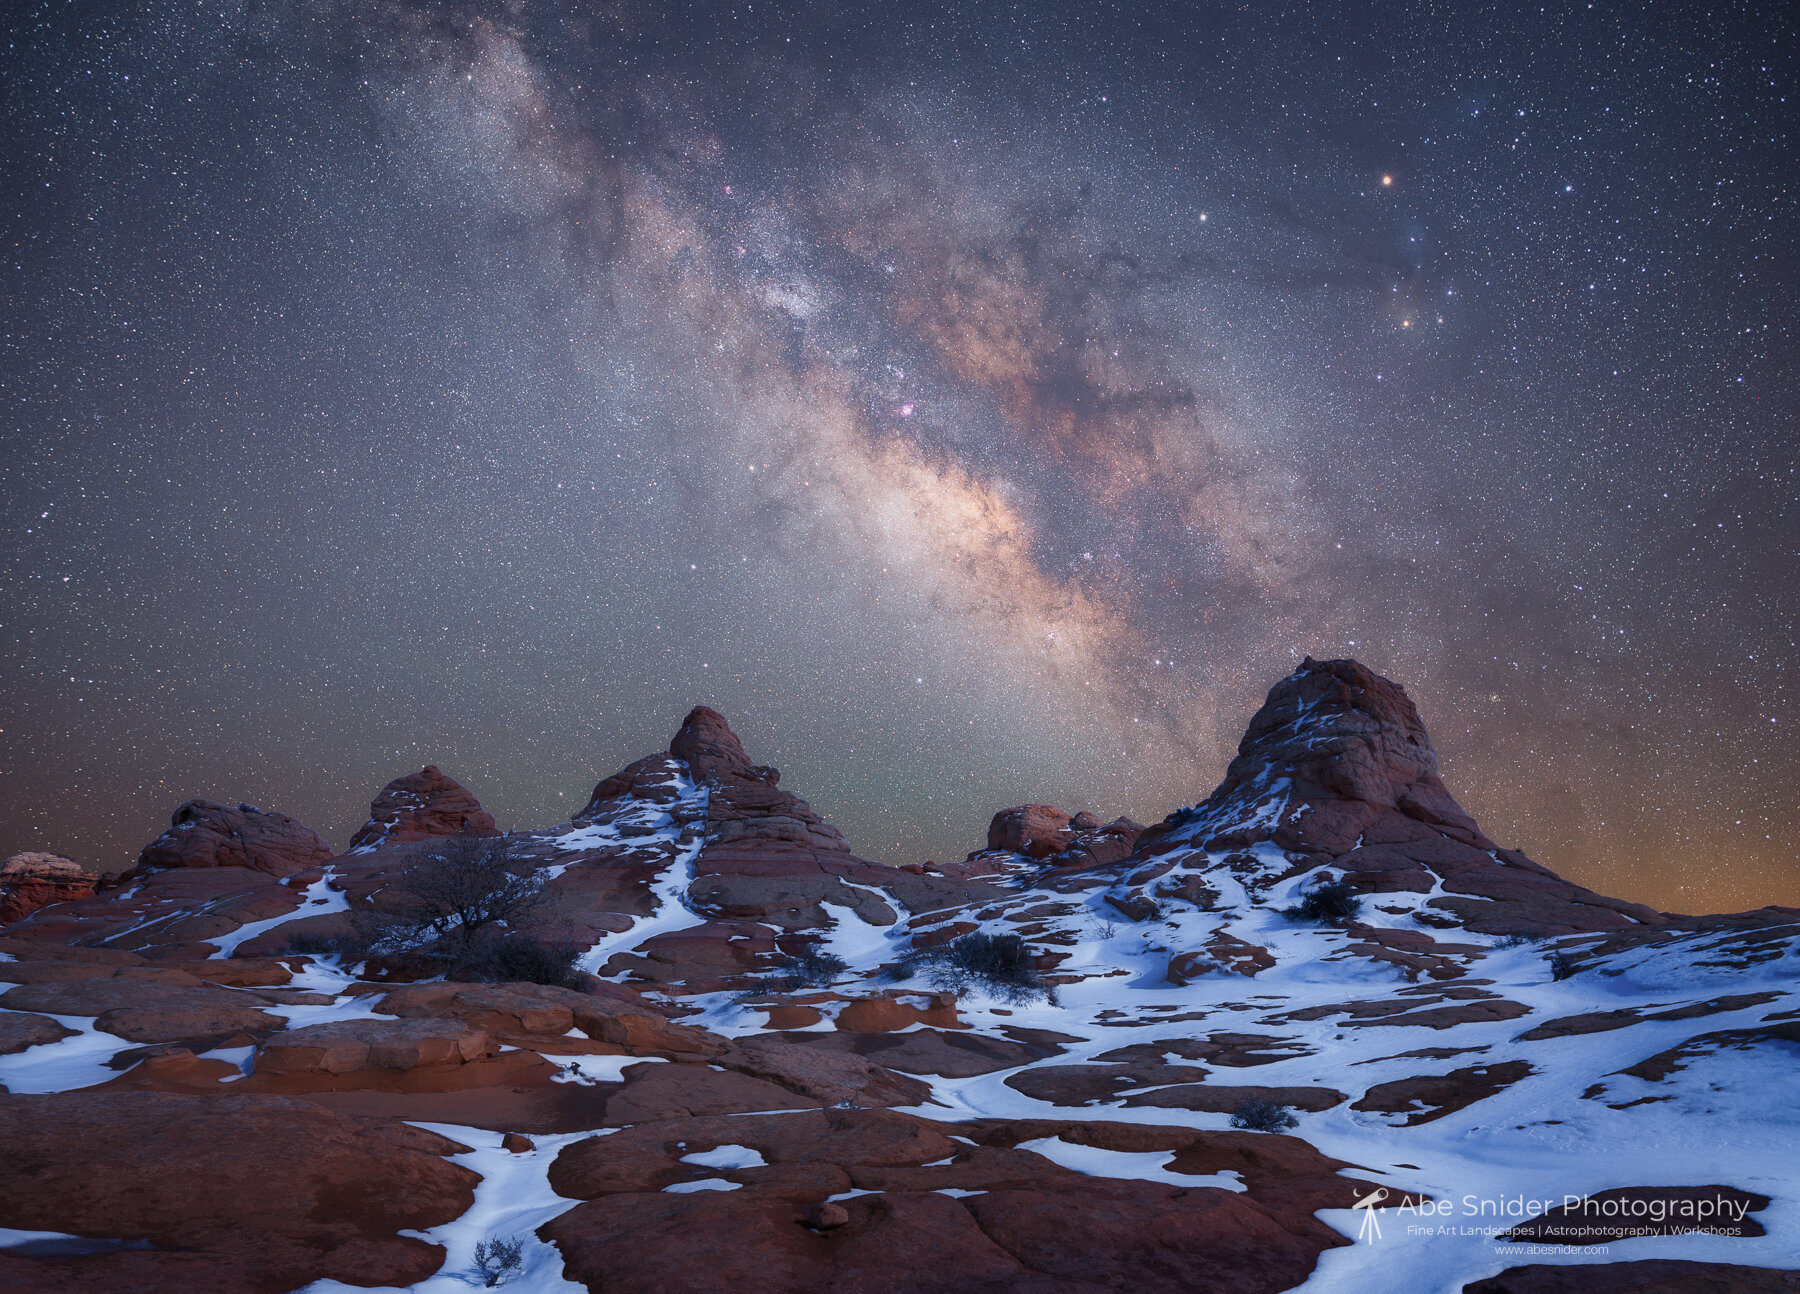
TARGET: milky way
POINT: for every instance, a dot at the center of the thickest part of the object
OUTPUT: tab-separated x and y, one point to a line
977	406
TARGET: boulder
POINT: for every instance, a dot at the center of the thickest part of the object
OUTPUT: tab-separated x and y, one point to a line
32	880
348	1046
422	806
1035	830
221	1194
20	1029
520	1014
204	833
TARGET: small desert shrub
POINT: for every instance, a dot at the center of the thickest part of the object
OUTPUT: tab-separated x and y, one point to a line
1000	964
1335	901
1562	965
1263	1116
811	965
515	958
1517	941
498	1260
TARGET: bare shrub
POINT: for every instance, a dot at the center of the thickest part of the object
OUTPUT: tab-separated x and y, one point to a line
1263	1116
498	1260
811	965
1335	901
1001	964
450	900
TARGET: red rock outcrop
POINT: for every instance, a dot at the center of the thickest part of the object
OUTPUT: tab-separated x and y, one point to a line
421	806
20	1030
1036	830
522	1014
652	779
31	880
1019	1221
1062	842
172	914
349	1046
221	1194
767	860
1336	770
147	1009
204	833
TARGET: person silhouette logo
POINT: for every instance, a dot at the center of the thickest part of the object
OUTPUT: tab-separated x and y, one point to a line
1371	1223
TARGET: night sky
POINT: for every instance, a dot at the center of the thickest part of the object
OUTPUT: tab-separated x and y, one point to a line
978	404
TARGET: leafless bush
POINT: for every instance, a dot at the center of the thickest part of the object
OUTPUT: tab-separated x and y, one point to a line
1001	964
498	1260
1263	1116
454	899
1563	965
811	965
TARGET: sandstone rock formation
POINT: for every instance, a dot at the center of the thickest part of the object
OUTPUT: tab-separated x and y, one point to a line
30	881
421	806
203	833
218	1019
1336	771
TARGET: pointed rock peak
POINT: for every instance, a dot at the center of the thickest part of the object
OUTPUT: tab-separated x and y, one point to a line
1336	776
420	806
1366	723
205	833
708	745
1333	743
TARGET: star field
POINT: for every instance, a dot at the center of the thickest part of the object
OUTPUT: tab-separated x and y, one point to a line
978	405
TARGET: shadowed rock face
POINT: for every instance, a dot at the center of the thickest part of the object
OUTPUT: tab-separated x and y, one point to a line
1337	769
421	806
204	833
32	880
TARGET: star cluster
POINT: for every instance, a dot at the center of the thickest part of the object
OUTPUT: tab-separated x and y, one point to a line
978	404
